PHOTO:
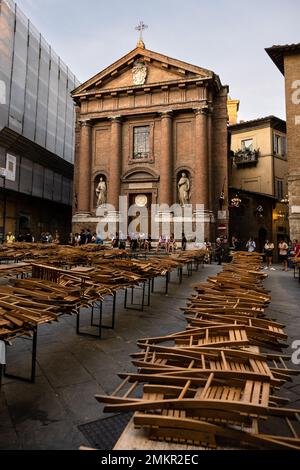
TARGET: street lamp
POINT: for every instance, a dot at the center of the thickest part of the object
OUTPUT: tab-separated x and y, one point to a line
285	200
235	201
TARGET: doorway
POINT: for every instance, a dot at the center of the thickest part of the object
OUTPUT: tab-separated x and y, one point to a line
262	237
143	201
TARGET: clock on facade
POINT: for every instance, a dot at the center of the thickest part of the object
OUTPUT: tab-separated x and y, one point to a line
141	200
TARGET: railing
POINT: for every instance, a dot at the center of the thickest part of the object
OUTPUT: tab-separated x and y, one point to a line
245	157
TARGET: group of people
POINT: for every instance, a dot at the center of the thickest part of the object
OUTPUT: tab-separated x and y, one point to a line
28	237
22	237
222	248
286	249
47	237
167	242
139	241
135	241
84	237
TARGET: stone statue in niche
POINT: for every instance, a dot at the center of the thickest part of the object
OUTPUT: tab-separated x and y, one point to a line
184	190
101	192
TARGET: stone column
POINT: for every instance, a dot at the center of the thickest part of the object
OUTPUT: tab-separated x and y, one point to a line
209	149
84	168
166	160
201	186
114	182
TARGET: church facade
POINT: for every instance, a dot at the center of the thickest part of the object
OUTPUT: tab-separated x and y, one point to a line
153	129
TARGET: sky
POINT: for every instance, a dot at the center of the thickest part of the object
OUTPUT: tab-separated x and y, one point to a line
226	36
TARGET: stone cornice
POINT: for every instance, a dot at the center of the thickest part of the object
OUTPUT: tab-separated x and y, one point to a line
148	88
151	109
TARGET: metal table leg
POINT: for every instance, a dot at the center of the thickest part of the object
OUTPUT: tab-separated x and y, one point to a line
33	362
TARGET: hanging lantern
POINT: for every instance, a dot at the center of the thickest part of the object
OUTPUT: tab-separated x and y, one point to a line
235	201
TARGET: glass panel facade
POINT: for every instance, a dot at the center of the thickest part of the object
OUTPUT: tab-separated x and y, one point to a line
61	110
26	176
17	95
38	180
69	134
67	191
31	83
7	22
48	184
57	189
35	102
43	90
52	104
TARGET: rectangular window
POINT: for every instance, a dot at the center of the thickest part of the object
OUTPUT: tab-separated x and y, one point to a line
247	144
283	145
141	142
276	144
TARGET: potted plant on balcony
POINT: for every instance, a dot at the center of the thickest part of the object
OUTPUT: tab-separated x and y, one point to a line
246	155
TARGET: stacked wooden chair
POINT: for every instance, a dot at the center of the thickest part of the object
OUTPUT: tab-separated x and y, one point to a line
211	384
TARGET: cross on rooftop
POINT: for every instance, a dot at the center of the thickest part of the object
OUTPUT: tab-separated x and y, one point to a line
141	27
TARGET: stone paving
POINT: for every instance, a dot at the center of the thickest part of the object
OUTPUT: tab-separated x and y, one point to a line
72	369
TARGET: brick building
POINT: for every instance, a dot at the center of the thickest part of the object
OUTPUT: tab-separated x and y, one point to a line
141	123
287	59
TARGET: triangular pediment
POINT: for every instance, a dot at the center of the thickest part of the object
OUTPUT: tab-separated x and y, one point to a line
157	68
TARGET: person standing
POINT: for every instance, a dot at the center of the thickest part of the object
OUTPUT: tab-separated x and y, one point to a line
99	240
20	237
251	245
283	253
115	241
207	257
219	251
183	242
148	243
28	237
235	243
88	236
76	239
82	237
71	239
10	238
171	244
268	248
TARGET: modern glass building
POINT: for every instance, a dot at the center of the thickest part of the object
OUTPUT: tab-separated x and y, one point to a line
36	129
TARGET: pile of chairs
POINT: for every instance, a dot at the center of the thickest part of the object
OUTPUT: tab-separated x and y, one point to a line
216	383
84	278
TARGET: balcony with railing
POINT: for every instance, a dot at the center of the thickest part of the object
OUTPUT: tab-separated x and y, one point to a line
246	157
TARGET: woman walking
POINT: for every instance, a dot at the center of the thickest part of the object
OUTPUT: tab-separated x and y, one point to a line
283	254
269	247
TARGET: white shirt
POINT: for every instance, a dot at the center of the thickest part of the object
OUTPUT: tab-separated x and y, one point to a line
251	245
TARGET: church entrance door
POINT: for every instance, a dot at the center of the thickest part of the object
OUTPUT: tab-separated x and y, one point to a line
142	200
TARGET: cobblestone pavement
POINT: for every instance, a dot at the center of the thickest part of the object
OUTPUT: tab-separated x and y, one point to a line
71	369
